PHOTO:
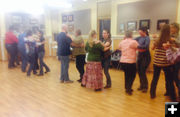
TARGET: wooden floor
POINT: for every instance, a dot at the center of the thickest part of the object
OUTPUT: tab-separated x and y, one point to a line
46	97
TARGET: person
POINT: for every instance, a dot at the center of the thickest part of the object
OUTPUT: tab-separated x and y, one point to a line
144	58
160	62
30	45
93	77
128	48
41	53
175	39
79	53
22	50
106	56
10	43
64	42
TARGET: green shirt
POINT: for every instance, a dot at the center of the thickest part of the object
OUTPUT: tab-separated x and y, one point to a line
77	50
94	52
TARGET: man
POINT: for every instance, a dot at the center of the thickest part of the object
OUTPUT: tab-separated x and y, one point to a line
64	43
11	41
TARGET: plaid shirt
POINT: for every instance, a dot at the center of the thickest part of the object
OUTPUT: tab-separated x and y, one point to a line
173	57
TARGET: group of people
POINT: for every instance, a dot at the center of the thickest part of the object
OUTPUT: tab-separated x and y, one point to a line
30	46
167	57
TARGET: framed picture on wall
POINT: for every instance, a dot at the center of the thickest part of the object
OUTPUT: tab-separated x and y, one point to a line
144	23
122	28
64	18
132	25
70	18
160	23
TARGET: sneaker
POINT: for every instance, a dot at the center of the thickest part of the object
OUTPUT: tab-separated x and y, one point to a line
69	81
98	90
79	80
61	81
140	89
47	71
107	86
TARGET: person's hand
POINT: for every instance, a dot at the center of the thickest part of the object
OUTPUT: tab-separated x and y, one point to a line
96	42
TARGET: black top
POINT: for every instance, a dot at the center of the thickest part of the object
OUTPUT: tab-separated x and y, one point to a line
64	43
41	47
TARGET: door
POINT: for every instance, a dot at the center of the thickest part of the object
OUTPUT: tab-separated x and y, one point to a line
104	24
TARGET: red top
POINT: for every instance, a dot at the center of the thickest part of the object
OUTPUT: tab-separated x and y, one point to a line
11	38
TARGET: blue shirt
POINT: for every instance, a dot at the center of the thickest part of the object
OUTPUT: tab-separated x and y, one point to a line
64	43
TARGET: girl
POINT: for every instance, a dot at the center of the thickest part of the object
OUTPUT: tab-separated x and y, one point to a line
106	57
144	58
160	62
93	77
128	48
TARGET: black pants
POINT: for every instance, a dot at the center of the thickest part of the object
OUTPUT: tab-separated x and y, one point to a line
24	59
31	60
130	75
106	65
142	64
42	64
36	65
168	71
80	61
12	53
176	70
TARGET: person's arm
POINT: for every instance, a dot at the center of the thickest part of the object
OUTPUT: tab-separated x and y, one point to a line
146	45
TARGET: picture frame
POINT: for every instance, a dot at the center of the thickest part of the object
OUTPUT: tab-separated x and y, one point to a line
161	22
122	28
64	18
132	25
144	23
70	18
16	19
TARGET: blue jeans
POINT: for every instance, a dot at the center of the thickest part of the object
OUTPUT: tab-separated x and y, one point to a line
42	64
64	68
24	59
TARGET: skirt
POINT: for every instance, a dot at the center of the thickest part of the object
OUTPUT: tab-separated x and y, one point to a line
93	77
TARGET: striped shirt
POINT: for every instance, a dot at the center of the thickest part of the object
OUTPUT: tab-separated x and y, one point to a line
160	58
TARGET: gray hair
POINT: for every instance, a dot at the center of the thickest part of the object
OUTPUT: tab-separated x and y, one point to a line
128	34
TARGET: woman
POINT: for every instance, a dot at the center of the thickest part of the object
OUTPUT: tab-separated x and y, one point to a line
144	58
79	53
93	77
41	53
128	48
160	62
30	44
106	57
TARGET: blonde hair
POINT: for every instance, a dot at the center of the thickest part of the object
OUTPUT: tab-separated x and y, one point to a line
90	40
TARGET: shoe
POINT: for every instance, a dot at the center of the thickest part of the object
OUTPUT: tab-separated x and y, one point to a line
144	90
35	73
153	96
139	89
40	74
28	75
47	71
61	81
129	92
69	81
166	94
83	85
98	90
79	80
107	86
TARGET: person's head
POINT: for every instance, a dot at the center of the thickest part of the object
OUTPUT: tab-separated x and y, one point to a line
92	36
143	31
128	34
174	28
78	33
106	34
29	33
40	33
164	36
64	28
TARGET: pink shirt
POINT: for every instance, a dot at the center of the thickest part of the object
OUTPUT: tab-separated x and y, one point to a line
128	49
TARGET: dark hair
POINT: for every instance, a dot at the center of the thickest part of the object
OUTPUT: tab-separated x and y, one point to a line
28	33
107	32
78	31
144	29
164	36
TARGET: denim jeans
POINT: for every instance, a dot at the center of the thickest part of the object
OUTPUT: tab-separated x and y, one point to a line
24	59
42	64
31	59
64	68
105	65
